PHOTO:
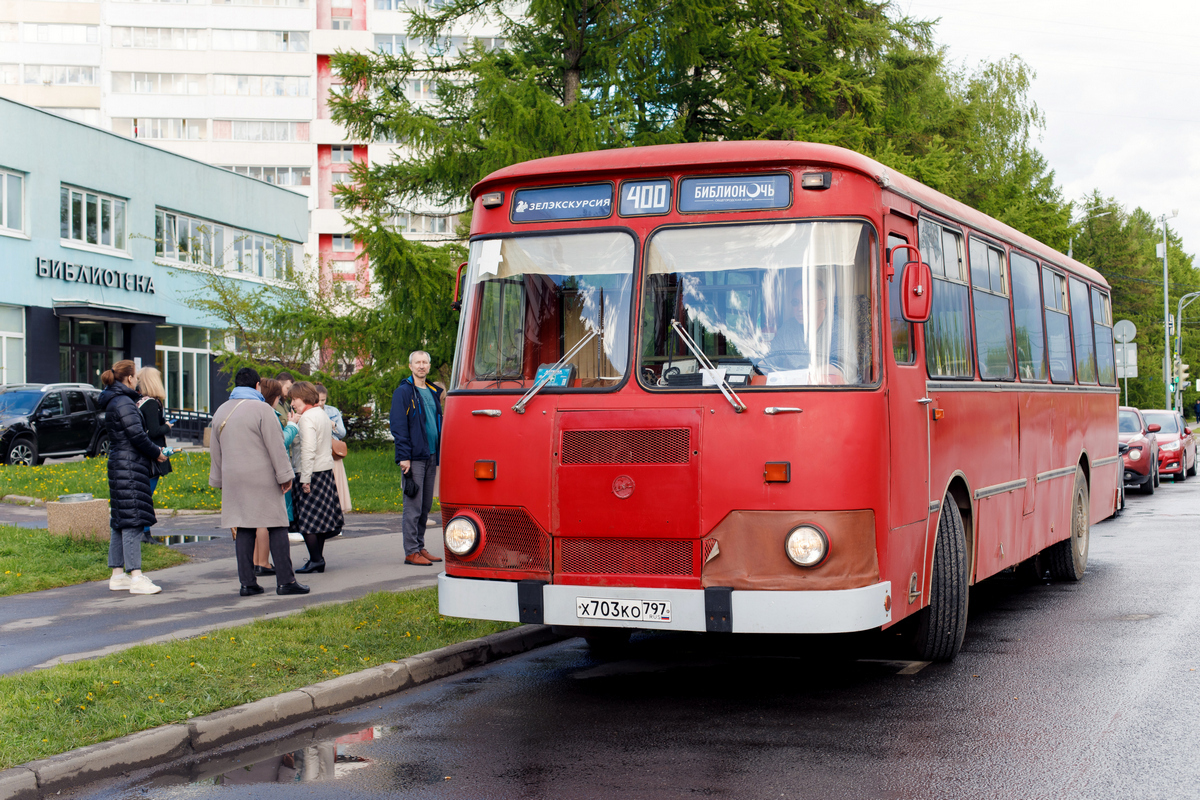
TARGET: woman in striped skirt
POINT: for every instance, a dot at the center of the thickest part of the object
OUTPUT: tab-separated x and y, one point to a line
314	494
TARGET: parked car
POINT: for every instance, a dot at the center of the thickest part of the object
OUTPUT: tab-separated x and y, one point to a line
1176	447
1141	460
52	420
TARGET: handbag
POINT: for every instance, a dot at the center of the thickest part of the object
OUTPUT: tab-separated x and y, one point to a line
160	469
410	484
339	449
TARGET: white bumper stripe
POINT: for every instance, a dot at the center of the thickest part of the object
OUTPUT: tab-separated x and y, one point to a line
753	612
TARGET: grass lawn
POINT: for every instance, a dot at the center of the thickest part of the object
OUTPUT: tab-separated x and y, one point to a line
31	560
375	483
57	709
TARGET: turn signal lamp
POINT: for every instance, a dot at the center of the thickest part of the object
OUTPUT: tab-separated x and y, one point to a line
816	180
938	413
492	199
777	472
485	470
806	546
462	536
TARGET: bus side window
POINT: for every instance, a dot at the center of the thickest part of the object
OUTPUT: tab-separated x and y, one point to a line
1058	327
1106	366
948	331
1027	311
993	321
1081	323
902	330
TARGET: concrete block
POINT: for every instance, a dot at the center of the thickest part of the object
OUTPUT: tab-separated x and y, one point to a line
89	519
18	784
396	675
135	751
220	727
349	690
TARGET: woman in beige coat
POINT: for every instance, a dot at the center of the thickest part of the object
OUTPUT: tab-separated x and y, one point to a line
318	513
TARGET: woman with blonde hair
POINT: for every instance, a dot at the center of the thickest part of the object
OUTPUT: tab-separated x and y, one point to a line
152	405
314	495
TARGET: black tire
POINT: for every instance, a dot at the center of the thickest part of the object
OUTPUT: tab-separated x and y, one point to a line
1148	486
1191	471
23	452
942	625
101	448
1157	476
1068	558
1182	476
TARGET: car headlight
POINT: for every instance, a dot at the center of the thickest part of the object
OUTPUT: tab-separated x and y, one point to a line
806	546
1170	447
1135	454
462	536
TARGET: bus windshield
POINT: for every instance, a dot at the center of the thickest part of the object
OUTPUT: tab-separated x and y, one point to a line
781	304
1165	419
534	299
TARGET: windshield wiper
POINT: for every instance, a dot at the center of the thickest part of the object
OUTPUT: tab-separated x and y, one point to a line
537	387
717	376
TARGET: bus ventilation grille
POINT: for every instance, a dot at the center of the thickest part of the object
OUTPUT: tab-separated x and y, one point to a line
514	541
654	446
626	556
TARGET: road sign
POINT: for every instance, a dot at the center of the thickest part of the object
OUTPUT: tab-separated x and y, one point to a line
1126	358
1124	331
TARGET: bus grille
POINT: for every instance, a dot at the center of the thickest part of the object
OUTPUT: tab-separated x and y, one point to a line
513	540
662	446
626	556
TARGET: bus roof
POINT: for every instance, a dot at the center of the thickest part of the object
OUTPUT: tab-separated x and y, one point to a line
701	156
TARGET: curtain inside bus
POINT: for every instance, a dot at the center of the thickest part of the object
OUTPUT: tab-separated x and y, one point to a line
781	304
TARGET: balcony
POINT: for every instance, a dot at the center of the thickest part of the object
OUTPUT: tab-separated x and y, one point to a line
326	43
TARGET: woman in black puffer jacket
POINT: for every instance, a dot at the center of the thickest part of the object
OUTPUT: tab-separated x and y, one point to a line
129	454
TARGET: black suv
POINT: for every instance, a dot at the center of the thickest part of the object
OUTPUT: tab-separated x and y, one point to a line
53	420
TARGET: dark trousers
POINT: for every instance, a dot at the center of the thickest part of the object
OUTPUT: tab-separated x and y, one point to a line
416	509
281	554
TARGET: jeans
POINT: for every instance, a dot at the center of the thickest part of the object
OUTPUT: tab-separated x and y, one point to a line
153	486
125	548
416	509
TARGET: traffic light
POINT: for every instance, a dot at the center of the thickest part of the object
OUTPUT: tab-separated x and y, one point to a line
1183	373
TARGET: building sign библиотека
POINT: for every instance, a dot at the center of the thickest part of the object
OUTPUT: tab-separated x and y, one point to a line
96	276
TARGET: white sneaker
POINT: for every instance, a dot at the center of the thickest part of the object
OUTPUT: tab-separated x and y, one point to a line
296	538
143	585
120	583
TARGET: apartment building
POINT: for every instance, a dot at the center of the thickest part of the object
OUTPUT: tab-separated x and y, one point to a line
239	84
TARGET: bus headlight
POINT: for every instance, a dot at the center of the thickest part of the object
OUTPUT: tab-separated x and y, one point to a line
462	536
806	546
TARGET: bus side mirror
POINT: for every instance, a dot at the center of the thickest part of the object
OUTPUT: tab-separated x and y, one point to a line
458	287
916	283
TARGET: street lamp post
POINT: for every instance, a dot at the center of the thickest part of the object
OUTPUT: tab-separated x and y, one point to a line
1166	313
1183	303
1084	218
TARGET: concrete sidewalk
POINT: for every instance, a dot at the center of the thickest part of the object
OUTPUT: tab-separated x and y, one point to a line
55	626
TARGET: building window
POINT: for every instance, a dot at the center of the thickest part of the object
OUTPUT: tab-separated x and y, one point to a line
260	85
159	38
88	347
340	24
285	3
92	218
8	74
342	153
8	32
12	344
255	130
183	355
420	89
425	223
343	244
62	34
157	83
189	240
269	41
279	176
156	128
12	201
60	75
392	44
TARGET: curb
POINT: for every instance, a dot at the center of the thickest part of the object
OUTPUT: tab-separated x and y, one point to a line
22	500
47	776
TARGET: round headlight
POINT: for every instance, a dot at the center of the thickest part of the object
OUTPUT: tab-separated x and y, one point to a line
461	536
806	546
1135	454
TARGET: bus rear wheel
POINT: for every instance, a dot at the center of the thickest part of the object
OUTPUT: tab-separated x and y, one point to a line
942	625
1068	558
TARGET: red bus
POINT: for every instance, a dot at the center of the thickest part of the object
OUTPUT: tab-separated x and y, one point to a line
763	387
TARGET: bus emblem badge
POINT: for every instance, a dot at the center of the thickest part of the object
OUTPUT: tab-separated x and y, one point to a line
623	486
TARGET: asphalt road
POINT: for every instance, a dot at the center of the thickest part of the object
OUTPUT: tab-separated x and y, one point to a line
1088	690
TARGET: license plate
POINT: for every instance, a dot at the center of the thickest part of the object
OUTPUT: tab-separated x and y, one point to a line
624	610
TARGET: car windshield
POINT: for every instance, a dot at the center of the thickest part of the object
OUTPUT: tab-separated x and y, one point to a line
532	300
782	304
1165	419
19	402
1128	423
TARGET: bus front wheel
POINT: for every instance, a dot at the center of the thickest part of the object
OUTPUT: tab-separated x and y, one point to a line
1068	558
942	625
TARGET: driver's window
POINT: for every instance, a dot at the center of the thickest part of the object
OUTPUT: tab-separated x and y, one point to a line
52	406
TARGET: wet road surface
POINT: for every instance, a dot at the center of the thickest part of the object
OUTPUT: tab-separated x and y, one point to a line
1088	690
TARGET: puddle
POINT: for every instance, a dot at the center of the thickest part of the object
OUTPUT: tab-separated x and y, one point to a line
184	538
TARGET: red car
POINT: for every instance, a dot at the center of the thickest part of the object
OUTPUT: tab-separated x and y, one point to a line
1141	460
1176	447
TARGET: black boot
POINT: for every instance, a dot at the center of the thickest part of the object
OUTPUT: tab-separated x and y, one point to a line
311	566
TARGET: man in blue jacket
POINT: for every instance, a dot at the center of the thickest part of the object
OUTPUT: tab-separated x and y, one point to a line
416	422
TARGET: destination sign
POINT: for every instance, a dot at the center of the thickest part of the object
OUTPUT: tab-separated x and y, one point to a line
642	198
562	202
735	194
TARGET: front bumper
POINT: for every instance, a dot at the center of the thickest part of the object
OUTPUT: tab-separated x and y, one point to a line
837	611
